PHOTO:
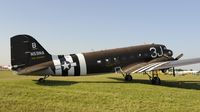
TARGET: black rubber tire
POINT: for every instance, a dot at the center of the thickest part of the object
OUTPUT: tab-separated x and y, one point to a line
128	78
156	81
41	80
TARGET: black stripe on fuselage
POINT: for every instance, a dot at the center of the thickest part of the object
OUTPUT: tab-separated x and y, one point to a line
53	68
77	68
62	61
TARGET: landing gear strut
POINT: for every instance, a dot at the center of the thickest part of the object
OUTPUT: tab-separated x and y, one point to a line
127	76
43	79
154	78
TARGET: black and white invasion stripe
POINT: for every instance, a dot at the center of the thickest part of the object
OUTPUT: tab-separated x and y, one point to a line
77	65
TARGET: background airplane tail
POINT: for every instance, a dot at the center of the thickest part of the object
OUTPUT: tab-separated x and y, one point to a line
26	51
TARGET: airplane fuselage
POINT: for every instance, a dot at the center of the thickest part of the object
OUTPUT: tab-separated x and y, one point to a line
106	60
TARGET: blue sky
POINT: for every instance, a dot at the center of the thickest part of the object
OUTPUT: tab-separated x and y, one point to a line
68	26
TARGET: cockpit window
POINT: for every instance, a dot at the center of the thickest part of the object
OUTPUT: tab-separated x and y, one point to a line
170	53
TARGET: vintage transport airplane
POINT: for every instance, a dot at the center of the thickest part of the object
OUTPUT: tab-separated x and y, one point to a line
28	57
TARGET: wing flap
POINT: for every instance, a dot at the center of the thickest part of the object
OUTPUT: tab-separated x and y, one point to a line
35	68
130	68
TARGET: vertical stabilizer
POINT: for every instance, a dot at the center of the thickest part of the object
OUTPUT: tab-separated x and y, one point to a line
26	51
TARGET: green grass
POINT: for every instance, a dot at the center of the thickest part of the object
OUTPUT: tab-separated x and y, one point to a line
99	93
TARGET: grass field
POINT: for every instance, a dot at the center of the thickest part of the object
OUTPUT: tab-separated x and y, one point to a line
102	93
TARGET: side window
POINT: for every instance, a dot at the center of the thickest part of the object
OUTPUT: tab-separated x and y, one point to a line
107	60
116	60
139	55
99	61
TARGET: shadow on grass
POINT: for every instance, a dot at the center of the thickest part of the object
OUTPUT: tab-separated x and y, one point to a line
55	83
68	83
165	83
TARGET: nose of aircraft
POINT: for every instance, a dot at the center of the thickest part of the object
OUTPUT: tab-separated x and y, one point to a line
169	53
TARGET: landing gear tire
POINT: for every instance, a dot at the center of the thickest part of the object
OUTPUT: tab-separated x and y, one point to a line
156	81
128	78
41	80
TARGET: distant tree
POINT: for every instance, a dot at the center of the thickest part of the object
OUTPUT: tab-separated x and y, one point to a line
179	70
170	70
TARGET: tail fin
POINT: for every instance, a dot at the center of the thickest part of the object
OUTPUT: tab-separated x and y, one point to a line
26	51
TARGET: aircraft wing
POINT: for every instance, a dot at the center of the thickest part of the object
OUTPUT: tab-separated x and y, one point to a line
130	68
147	67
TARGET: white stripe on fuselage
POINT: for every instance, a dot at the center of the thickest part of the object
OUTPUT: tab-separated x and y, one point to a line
83	66
71	70
57	64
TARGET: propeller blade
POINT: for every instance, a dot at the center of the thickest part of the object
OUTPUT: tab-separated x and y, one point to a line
179	56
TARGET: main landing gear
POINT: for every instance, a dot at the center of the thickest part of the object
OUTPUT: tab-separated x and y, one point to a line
128	77
154	78
41	80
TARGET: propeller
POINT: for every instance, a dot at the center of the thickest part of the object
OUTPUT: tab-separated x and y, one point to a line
177	58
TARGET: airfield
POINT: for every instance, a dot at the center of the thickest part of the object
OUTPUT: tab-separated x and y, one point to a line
99	93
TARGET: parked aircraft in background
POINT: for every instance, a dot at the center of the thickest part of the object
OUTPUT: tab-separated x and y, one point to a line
5	67
28	57
184	72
